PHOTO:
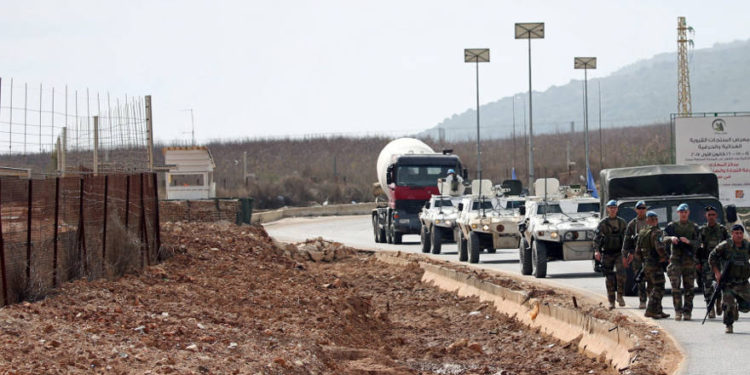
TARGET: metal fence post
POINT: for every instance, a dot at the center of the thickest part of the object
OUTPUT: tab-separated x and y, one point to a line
144	227
127	203
2	255
104	232
157	222
28	234
81	234
55	235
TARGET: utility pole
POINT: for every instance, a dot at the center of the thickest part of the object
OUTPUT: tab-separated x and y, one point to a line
477	55
684	105
530	31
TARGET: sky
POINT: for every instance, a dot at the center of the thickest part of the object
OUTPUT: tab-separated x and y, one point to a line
292	68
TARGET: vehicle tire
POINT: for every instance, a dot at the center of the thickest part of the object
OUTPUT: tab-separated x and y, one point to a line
379	233
491	250
463	254
389	234
424	237
474	247
436	236
524	255
397	237
539	259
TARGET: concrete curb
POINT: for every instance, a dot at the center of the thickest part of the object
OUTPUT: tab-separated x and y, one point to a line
594	337
330	210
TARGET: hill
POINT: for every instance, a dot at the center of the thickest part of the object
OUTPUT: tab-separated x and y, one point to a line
640	93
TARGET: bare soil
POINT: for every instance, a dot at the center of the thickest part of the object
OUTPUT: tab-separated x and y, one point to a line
231	301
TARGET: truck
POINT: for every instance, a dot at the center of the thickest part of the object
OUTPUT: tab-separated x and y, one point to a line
408	171
663	188
556	226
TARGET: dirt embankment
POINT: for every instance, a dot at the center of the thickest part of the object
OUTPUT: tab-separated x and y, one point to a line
232	302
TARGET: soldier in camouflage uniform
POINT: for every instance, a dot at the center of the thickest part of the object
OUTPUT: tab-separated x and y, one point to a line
608	250
682	238
649	249
711	234
736	290
628	247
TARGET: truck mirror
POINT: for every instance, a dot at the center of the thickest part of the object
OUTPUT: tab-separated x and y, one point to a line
522	210
389	175
465	173
460	206
731	211
427	205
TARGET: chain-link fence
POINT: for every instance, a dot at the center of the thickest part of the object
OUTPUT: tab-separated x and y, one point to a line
63	228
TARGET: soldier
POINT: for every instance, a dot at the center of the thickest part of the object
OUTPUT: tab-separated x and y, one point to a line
711	234
649	249
736	290
608	250
682	237
628	247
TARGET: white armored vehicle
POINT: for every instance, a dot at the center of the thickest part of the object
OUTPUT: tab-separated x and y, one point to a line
558	227
438	219
484	224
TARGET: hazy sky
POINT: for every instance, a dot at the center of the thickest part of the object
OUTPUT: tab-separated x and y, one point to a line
260	68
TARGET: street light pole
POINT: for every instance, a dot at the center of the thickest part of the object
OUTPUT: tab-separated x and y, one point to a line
477	55
585	63
530	31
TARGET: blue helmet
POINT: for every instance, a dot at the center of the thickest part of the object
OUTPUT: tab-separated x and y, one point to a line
651	214
640	203
451	171
683	207
612	203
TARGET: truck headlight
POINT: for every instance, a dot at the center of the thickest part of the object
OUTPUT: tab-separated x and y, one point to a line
589	234
473	226
447	222
486	227
553	235
437	221
569	236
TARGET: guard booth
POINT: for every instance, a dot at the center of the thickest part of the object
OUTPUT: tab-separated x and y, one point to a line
191	172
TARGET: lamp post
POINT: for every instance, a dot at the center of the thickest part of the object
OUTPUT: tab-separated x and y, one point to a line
585	63
477	55
534	30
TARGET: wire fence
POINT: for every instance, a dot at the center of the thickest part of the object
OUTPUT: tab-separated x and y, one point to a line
39	124
59	229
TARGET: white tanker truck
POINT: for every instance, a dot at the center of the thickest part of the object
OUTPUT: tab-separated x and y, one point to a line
408	171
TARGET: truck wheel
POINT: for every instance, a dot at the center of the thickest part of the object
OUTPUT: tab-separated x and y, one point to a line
436	235
524	255
397	237
388	235
474	247
463	254
379	233
425	239
539	259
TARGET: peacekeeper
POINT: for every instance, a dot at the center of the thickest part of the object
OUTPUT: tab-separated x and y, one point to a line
711	234
608	250
628	248
682	237
735	288
649	249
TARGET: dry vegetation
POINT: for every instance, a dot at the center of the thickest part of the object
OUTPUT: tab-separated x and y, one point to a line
340	170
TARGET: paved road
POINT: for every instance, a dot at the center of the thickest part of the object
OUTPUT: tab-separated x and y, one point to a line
708	349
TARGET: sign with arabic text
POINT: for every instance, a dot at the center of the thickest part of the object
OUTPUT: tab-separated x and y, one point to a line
722	144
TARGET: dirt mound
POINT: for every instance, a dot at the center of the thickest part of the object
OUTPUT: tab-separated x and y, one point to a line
230	301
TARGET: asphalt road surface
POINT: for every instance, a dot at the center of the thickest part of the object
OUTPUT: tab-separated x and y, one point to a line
708	349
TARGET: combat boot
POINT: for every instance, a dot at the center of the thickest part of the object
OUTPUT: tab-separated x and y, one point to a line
686	316
620	300
729	329
642	305
677	316
662	315
611	305
712	314
719	309
649	314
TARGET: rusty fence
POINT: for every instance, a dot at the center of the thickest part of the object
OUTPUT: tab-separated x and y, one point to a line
59	229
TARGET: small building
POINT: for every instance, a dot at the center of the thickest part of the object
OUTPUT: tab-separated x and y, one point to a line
191	172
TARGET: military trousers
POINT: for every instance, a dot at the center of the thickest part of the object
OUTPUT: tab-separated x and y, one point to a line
736	297
614	274
681	274
655	278
643	290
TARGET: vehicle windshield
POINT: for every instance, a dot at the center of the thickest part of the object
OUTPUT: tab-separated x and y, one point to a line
487	205
588	207
548	208
513	204
420	175
443	203
667	210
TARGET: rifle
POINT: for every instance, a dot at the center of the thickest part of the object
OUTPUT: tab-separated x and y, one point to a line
717	289
637	280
